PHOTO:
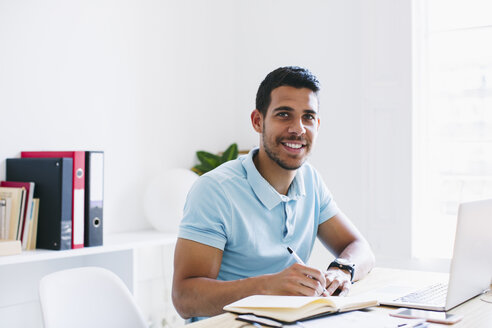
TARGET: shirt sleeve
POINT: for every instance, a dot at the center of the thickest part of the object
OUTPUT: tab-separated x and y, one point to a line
205	213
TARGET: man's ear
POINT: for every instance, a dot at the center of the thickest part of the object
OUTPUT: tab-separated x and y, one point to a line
319	122
257	121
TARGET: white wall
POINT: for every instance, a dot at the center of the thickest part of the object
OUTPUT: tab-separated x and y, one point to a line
150	82
387	97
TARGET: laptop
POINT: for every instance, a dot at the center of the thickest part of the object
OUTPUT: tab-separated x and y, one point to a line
471	265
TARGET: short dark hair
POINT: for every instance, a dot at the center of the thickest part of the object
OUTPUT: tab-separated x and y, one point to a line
292	76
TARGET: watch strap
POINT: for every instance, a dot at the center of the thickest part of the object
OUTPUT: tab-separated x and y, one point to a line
350	268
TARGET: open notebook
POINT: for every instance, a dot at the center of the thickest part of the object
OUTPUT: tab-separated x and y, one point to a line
294	308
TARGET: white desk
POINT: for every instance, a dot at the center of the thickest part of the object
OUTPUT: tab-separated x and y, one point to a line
477	314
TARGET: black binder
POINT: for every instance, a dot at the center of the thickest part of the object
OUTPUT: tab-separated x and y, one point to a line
53	179
94	183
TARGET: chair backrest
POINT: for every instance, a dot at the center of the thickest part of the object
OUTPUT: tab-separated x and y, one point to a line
87	297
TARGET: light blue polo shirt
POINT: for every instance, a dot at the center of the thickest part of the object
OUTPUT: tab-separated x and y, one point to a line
234	209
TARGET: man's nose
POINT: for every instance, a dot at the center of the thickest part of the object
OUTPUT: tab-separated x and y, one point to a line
297	127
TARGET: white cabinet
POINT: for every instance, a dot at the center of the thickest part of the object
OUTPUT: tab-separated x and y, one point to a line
141	259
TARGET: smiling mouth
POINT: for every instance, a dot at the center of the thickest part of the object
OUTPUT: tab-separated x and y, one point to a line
293	145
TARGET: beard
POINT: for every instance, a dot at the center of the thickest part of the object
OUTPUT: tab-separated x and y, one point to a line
275	155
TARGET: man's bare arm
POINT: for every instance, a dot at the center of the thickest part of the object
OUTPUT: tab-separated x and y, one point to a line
345	241
196	292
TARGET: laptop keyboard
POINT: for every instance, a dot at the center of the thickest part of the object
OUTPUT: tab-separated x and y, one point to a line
432	295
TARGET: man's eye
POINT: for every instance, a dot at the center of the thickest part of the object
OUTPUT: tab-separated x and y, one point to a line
282	114
309	117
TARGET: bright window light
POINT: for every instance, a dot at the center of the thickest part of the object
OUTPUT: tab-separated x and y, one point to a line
452	117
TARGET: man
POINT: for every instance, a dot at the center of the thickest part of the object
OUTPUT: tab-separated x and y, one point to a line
240	218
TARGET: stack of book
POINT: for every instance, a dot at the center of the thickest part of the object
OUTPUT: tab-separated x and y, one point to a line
53	200
18	215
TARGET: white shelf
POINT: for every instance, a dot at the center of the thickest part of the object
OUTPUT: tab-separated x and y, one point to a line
112	243
20	274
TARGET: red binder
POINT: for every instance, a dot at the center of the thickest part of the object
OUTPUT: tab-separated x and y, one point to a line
78	189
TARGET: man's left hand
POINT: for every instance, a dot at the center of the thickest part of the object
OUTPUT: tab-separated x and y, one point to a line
337	279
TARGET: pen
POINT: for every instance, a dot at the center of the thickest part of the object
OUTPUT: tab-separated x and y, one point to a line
300	261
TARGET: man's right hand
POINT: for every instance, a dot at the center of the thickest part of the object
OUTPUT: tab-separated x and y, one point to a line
297	279
197	292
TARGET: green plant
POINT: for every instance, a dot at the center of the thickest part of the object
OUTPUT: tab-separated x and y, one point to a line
209	161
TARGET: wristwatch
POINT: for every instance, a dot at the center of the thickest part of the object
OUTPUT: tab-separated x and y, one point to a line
344	265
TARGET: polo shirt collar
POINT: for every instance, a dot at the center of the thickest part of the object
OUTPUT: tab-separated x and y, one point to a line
264	191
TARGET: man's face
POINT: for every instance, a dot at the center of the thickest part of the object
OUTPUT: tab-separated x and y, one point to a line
290	126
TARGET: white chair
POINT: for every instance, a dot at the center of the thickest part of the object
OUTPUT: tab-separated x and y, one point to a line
87	297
